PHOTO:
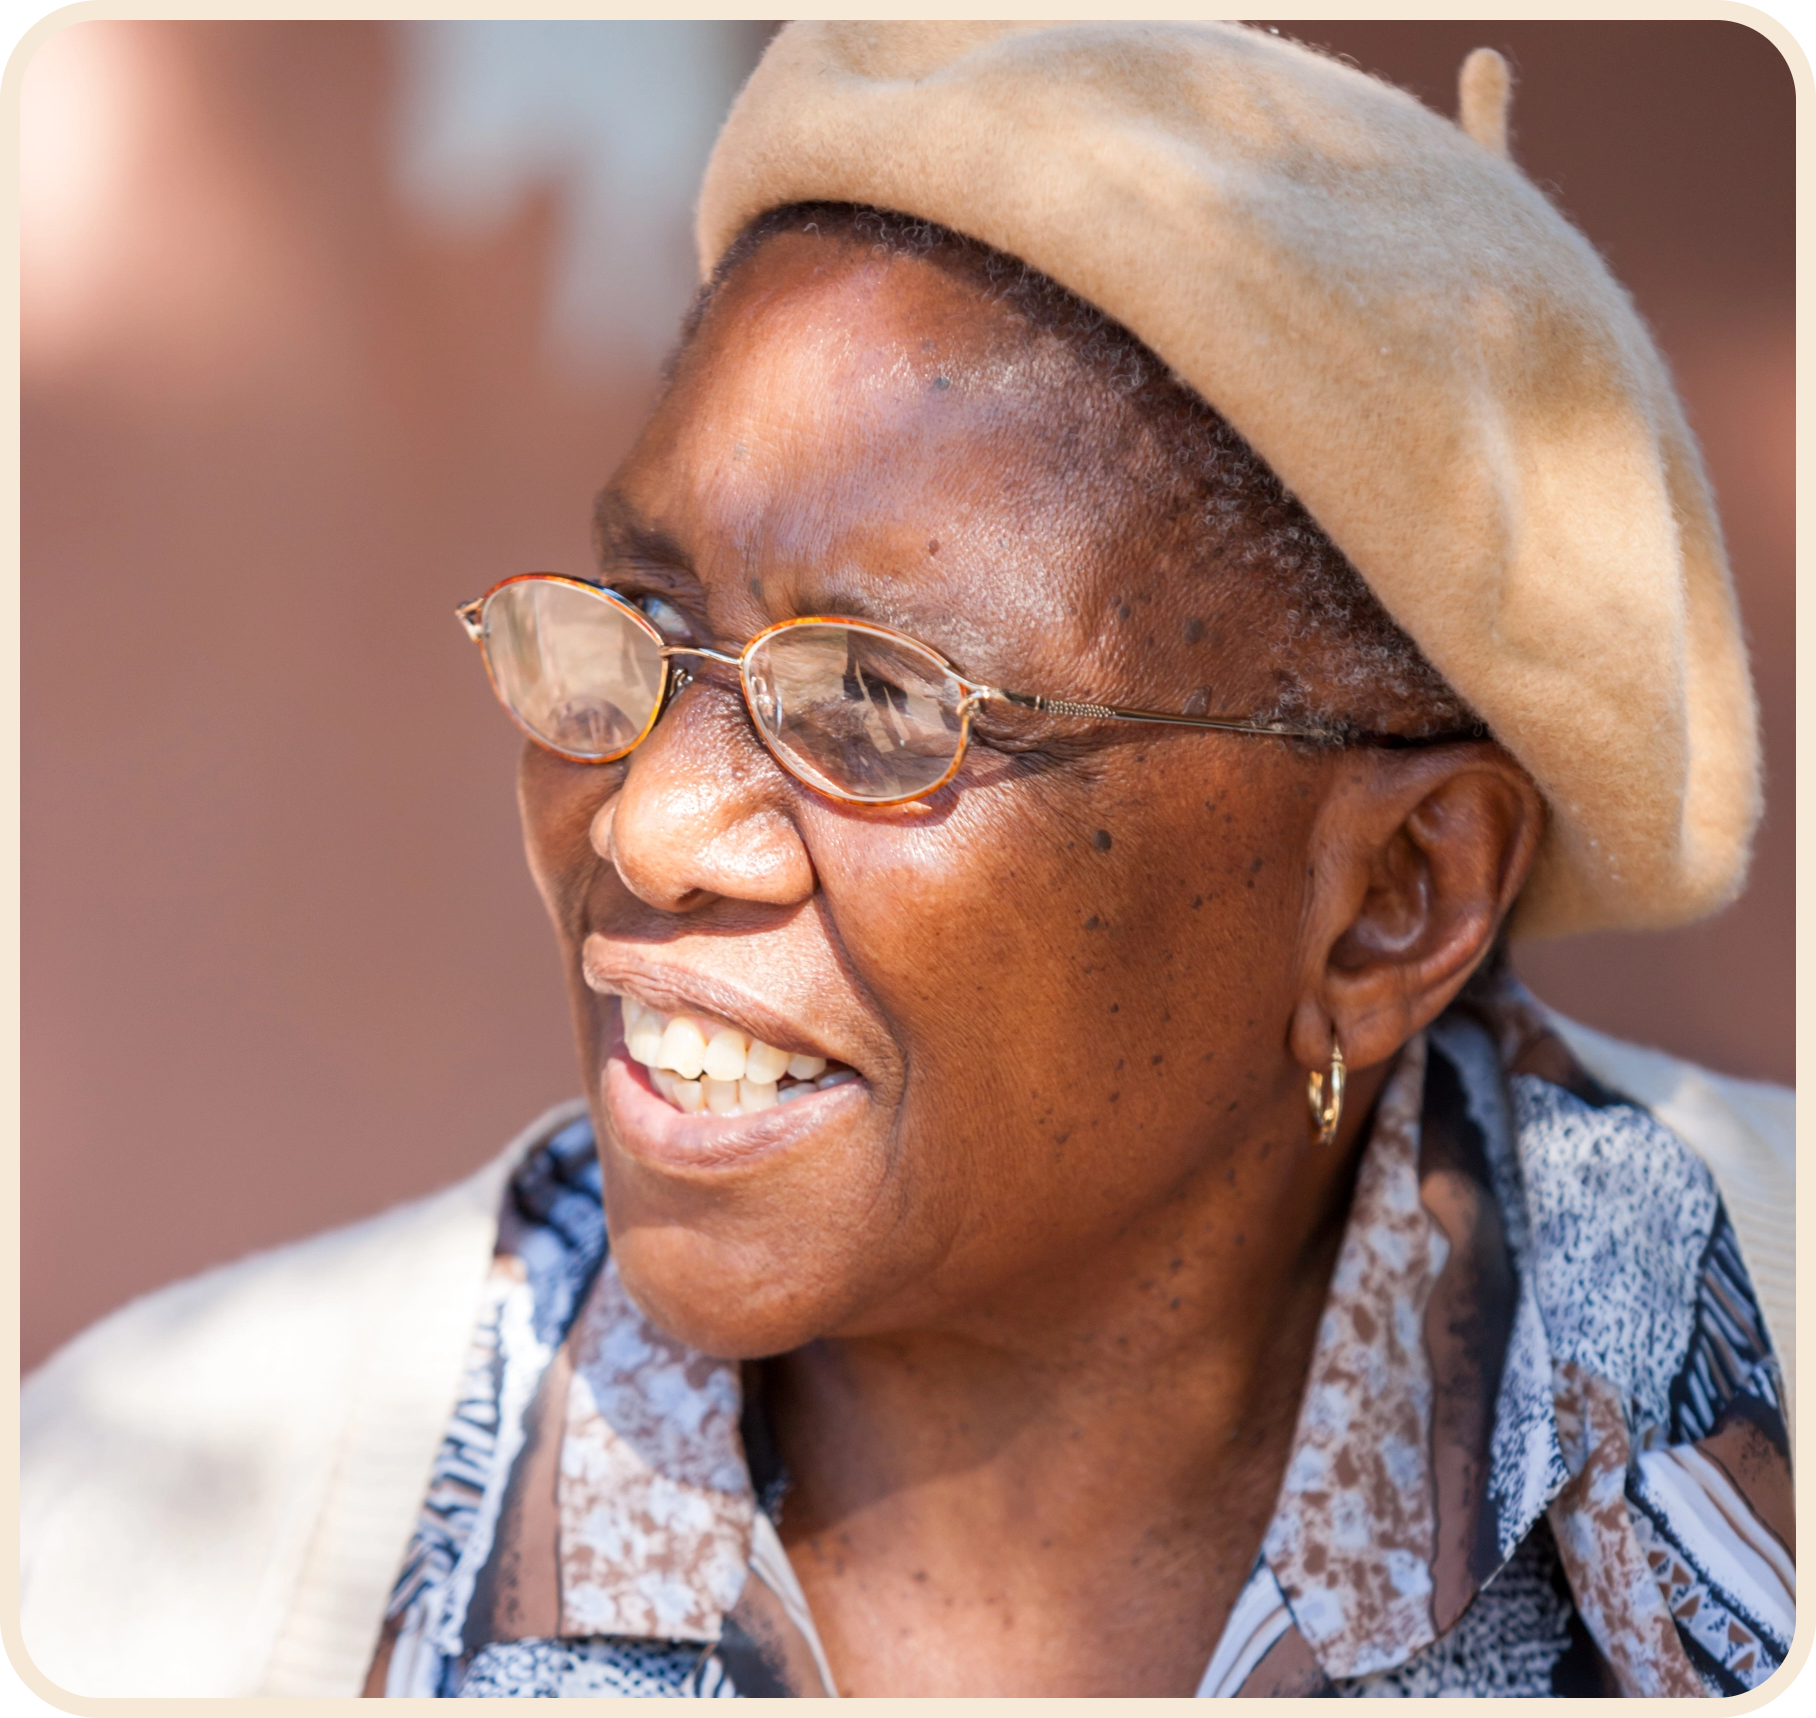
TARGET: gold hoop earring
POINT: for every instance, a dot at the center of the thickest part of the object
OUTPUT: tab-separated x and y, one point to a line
1327	1111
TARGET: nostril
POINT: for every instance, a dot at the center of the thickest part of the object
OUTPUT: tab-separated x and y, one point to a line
697	818
600	833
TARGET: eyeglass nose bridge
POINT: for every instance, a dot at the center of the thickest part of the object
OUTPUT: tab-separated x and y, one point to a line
681	678
667	651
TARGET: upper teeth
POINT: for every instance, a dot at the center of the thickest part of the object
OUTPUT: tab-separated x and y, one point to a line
705	1065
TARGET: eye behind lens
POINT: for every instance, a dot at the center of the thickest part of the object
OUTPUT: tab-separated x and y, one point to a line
859	712
665	618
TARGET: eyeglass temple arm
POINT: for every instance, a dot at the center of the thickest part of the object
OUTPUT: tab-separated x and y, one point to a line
1107	712
1279	730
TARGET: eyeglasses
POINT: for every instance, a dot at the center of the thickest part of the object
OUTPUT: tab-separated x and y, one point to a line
857	711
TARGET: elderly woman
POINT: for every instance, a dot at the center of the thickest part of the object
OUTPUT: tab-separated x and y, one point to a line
1155	555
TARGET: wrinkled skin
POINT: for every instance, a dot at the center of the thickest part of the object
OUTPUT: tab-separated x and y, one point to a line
1043	1286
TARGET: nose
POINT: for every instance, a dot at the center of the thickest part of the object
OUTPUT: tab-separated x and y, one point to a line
704	813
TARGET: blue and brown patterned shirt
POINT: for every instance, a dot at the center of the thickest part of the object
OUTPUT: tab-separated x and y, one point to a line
1540	1450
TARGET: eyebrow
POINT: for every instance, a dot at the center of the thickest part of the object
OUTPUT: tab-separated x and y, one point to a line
622	532
837	597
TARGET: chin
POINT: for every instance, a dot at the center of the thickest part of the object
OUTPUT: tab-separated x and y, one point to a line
743	1237
735	1302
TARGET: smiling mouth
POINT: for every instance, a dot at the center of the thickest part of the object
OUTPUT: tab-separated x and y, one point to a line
704	1066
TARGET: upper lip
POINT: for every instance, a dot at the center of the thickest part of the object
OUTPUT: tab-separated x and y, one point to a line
672	986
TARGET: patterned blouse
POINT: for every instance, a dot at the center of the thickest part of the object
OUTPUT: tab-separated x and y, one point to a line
1541	1448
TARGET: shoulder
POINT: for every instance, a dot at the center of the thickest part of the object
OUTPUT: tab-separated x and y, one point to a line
1744	1132
1620	1213
1635	1261
1646	1414
179	1458
1638	1190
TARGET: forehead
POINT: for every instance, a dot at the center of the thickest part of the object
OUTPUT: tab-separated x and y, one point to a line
814	336
851	425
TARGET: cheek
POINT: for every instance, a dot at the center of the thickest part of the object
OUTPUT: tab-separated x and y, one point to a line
1071	969
557	802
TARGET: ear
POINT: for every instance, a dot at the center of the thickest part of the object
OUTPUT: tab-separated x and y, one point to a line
1417	858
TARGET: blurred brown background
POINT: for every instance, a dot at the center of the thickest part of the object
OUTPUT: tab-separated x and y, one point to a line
328	326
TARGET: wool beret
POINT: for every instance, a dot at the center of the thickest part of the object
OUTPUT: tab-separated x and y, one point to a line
1435	362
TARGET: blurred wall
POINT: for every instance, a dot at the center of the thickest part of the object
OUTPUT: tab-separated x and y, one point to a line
328	326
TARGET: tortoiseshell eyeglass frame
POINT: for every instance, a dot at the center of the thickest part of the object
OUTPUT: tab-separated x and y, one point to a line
975	694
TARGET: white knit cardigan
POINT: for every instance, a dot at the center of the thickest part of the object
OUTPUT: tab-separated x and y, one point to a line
219	1480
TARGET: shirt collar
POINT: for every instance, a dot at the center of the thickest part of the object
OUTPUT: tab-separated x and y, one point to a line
1392	1512
635	1437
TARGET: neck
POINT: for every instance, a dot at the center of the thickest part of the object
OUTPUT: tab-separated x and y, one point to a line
1078	1450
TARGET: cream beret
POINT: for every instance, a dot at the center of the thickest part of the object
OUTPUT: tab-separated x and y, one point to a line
1432	358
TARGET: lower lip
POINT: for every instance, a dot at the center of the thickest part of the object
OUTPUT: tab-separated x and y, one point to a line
647	1127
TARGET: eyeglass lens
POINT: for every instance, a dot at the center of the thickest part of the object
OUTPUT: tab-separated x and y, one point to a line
572	666
856	712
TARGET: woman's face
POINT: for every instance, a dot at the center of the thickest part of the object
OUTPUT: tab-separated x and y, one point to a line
1065	980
